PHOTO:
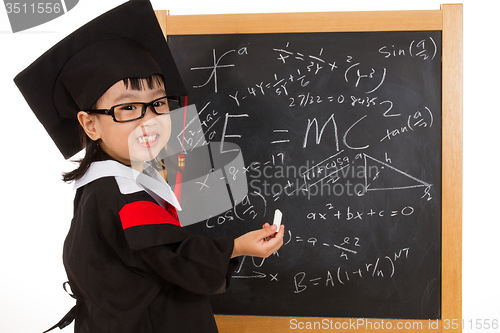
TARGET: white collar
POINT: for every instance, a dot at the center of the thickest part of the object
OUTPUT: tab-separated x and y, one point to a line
130	180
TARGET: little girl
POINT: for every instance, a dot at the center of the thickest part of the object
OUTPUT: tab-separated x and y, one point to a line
131	265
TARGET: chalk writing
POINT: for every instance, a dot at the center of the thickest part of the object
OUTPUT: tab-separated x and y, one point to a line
381	267
342	133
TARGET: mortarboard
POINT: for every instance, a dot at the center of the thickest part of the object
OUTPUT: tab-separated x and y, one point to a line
125	42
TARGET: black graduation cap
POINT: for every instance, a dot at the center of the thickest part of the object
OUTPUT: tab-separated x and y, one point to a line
125	42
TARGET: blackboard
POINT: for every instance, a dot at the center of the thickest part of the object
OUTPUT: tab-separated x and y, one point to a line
341	132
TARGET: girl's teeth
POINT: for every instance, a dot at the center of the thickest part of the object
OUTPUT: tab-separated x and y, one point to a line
146	139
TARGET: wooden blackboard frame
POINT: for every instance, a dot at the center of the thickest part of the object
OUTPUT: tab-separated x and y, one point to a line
449	20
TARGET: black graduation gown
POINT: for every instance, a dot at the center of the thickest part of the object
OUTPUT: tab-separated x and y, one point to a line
133	268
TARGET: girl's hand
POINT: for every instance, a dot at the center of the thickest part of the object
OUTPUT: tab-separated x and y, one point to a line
259	243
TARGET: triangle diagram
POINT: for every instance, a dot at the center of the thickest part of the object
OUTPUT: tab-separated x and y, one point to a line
380	176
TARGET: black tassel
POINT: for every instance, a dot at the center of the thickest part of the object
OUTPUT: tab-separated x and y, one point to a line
65	321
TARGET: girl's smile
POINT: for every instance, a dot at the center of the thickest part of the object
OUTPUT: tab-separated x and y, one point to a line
148	140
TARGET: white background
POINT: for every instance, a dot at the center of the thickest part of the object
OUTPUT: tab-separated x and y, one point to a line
36	206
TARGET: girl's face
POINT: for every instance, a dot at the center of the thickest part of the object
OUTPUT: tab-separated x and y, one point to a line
135	141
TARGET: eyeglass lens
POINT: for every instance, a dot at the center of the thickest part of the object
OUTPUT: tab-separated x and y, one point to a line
132	111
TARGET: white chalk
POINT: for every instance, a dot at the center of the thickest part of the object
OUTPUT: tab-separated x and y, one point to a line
277	219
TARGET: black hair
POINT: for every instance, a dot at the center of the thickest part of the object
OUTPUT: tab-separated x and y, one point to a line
93	151
138	84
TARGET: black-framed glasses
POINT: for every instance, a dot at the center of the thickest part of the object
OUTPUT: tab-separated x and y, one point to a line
125	112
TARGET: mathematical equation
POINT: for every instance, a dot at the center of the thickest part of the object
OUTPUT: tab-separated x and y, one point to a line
382	267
